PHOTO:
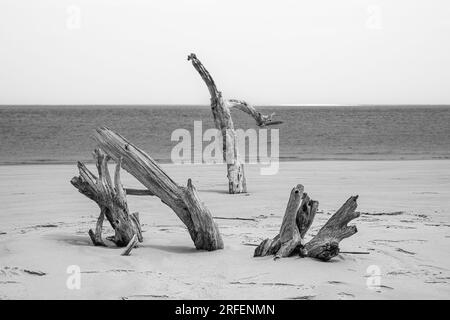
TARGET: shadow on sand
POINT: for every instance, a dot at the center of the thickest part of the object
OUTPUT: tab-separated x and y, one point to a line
74	240
171	248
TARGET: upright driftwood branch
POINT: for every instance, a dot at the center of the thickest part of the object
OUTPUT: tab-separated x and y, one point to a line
222	119
297	221
111	199
306	214
289	232
96	236
184	201
300	212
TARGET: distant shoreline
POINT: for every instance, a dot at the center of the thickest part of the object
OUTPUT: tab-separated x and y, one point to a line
281	105
288	159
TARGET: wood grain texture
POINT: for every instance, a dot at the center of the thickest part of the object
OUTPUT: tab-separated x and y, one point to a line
184	201
298	218
111	199
300	212
222	120
325	244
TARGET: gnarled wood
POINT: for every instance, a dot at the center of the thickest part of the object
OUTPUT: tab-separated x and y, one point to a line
96	236
298	218
110	198
304	219
325	244
184	201
289	233
222	119
261	119
296	222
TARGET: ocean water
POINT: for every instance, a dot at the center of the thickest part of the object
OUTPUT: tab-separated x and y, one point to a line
39	134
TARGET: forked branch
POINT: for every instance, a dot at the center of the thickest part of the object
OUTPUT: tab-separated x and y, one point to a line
296	222
300	212
111	199
220	109
261	120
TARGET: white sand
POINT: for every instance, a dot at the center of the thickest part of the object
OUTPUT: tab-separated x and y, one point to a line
411	249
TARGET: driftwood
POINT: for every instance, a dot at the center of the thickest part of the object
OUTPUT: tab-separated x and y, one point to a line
300	213
110	198
184	201
222	119
130	246
325	244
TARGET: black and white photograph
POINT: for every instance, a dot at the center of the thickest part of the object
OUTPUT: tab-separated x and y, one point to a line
224	150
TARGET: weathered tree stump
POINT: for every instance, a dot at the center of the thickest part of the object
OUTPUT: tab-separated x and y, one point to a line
110	198
222	119
325	244
300	213
184	201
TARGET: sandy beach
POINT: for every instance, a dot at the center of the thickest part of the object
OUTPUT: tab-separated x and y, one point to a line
404	230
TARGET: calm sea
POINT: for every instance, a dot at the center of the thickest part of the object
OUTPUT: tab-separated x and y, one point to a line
38	134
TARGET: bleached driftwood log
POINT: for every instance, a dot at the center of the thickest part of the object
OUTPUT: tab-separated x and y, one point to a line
222	119
296	222
300	212
184	201
325	244
110	198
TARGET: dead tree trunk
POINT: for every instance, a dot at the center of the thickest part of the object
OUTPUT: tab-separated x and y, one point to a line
222	119
297	219
296	222
184	201
110	198
325	244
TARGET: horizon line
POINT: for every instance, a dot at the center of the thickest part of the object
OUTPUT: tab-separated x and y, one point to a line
208	105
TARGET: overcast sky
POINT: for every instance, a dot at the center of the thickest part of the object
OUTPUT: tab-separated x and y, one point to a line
266	52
